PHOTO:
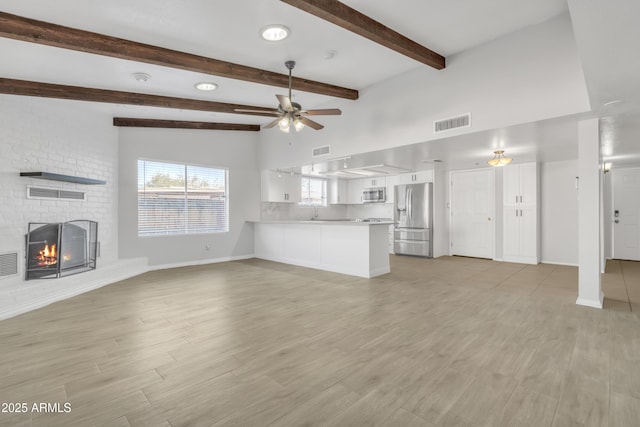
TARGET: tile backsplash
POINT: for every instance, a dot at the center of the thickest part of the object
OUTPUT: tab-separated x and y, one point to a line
277	211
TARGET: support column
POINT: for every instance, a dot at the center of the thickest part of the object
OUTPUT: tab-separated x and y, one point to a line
589	189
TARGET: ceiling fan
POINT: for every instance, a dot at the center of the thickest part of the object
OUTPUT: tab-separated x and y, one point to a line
290	114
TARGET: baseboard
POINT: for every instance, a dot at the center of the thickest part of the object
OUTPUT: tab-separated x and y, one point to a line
590	302
379	271
521	260
34	294
568	264
199	262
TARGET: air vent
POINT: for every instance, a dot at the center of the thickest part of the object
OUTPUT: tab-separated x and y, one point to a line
444	125
321	151
8	264
53	193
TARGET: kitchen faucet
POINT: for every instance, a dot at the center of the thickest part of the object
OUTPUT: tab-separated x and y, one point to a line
315	211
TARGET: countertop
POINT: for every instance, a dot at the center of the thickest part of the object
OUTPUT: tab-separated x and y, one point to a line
321	222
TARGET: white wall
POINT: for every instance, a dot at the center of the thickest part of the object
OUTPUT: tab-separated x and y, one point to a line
559	212
62	137
607	215
530	75
236	151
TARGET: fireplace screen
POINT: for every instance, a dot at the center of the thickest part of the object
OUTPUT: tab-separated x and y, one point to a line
59	249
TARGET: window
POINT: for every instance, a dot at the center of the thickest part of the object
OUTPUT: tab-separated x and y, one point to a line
181	199
314	191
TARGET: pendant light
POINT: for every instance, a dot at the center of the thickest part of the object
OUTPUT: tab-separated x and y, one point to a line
499	159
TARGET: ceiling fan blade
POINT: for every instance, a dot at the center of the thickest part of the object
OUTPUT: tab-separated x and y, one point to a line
322	112
285	102
271	124
311	123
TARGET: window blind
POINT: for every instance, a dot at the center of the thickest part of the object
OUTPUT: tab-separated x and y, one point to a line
181	199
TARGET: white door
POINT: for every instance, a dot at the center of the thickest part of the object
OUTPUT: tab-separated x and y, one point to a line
472	213
626	214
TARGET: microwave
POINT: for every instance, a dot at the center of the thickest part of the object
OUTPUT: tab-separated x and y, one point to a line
374	195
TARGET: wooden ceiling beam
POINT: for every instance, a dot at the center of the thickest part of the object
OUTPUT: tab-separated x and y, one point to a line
181	124
30	30
76	93
343	16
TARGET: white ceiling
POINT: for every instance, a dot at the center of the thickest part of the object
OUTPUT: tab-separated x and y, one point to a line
228	30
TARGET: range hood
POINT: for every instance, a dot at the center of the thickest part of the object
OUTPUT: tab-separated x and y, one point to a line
365	171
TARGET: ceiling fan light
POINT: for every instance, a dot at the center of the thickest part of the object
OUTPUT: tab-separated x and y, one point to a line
298	125
284	124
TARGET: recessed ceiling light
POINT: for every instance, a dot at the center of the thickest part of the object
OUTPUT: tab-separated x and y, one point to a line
141	77
206	86
274	33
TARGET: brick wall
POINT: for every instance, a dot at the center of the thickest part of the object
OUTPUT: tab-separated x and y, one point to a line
62	137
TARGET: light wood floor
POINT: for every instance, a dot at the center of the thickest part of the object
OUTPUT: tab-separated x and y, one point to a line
445	342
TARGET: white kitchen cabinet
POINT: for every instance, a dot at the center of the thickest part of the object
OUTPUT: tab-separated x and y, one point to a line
520	214
338	192
354	191
280	187
377	182
415	177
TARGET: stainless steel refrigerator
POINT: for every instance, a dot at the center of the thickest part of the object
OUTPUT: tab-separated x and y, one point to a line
413	220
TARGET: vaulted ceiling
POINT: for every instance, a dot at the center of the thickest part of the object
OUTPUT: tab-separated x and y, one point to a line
325	52
228	31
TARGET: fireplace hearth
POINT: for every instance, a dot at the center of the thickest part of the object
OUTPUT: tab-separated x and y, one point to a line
60	249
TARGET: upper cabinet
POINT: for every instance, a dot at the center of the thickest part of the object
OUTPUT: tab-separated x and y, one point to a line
280	187
415	177
338	191
377	182
521	184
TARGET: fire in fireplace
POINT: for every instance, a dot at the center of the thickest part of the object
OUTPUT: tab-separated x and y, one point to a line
58	249
47	256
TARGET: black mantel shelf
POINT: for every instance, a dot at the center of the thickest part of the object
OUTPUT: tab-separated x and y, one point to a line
64	178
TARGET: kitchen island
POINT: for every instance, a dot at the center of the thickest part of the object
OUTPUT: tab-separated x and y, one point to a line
348	247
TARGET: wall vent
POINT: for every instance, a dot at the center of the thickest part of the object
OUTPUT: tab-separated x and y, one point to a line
53	193
8	264
321	151
444	125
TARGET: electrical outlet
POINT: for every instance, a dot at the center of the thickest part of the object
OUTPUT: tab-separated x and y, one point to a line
207	246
